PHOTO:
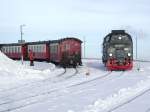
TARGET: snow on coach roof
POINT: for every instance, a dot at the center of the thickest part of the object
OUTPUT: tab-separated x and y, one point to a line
67	38
55	41
73	38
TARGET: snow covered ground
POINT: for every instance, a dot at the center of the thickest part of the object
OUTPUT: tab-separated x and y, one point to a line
48	88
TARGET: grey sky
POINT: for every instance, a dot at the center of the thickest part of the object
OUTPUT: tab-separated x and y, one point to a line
93	19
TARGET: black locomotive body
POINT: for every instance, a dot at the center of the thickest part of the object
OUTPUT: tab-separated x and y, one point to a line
118	51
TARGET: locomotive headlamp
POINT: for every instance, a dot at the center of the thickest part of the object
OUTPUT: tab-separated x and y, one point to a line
126	49
119	38
110	54
129	54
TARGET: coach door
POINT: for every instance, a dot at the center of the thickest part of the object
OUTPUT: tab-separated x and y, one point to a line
54	54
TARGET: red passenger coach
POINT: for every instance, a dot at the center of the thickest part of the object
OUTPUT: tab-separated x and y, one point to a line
40	50
66	51
14	51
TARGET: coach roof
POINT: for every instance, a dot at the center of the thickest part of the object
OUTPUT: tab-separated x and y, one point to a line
67	38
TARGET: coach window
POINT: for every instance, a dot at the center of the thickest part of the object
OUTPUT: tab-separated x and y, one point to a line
12	49
6	49
55	48
66	47
51	48
37	48
33	48
30	48
3	49
42	48
9	49
15	49
20	49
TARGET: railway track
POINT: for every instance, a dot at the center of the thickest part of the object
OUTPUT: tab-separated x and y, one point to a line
74	74
59	75
63	74
28	85
129	101
31	83
29	100
66	75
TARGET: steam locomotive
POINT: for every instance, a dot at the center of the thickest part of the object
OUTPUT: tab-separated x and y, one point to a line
118	51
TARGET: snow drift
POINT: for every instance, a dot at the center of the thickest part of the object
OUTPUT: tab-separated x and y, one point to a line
11	71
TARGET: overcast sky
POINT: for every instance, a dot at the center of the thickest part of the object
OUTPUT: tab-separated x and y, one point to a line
92	19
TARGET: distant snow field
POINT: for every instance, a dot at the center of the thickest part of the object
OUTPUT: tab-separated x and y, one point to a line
89	88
